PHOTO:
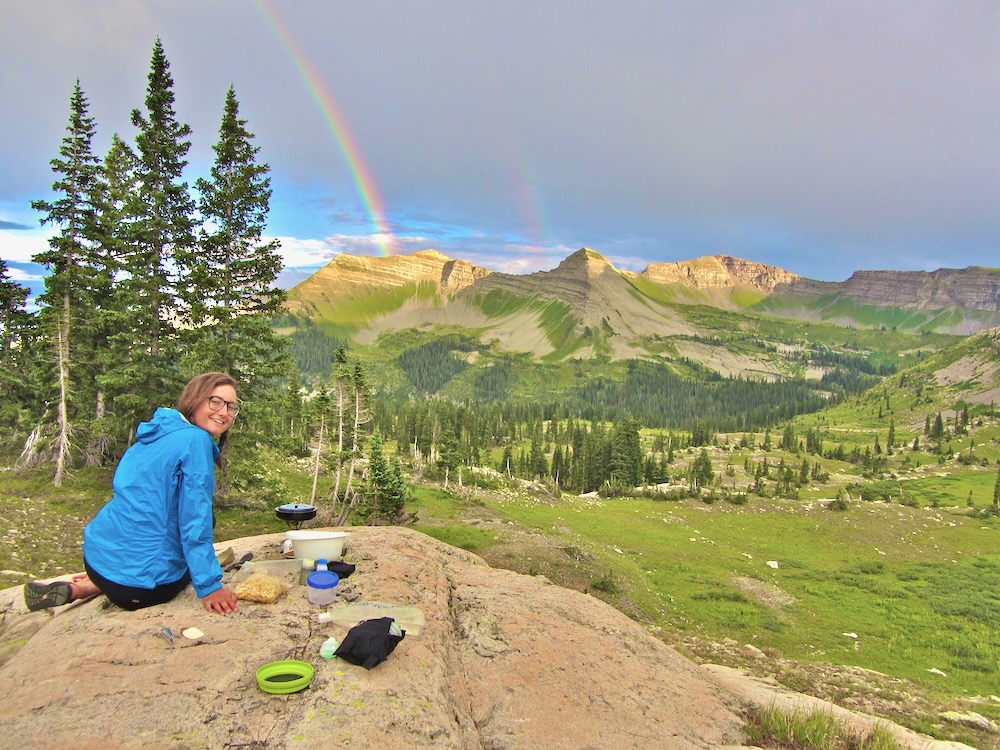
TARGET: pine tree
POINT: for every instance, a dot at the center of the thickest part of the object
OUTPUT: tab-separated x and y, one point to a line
701	472
119	366
65	301
375	506
341	394
230	297
159	263
361	415
538	465
13	317
16	326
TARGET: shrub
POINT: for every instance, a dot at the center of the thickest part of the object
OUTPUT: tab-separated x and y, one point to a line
818	730
605	583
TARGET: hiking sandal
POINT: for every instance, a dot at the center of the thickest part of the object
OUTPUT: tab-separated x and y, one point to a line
39	595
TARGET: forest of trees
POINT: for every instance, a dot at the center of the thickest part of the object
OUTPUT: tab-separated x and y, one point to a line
148	282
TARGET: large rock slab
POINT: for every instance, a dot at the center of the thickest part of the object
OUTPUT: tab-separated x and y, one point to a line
504	661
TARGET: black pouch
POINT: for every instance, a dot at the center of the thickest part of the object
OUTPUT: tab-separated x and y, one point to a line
369	642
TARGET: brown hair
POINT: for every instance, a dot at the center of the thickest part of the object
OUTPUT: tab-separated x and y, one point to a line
198	389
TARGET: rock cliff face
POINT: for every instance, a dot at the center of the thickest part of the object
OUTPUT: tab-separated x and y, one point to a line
975	288
458	274
504	661
719	272
346	275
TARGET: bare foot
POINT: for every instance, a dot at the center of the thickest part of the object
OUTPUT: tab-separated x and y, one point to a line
83	587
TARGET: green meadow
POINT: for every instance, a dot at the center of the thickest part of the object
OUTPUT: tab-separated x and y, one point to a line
886	587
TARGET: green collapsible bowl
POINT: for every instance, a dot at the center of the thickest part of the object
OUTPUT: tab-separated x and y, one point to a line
283	677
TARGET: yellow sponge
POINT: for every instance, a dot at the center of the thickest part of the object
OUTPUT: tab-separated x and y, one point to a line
261	587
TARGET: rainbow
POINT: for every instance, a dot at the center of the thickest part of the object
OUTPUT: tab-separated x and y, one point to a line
529	202
364	182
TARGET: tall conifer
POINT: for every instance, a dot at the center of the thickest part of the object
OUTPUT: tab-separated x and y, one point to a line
158	262
119	404
231	296
16	326
64	301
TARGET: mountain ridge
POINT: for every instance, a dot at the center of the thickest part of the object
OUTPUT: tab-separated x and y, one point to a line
587	307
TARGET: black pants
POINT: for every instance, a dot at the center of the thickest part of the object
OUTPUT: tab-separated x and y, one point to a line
132	598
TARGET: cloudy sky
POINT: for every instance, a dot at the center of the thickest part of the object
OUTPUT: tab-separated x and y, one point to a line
822	137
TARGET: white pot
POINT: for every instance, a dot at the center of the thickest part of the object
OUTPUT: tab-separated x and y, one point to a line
317	545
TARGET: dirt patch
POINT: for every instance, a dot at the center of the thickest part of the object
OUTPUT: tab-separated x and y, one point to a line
533	552
766	593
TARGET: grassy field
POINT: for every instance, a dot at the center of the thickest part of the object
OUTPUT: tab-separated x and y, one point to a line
919	588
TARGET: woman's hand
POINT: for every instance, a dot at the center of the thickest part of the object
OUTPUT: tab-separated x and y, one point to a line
221	601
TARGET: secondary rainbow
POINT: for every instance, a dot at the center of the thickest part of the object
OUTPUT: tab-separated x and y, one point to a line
323	97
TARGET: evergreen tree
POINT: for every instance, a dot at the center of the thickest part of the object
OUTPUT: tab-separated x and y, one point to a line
397	492
119	366
16	326
158	265
937	431
788	438
507	460
557	465
361	415
230	297
538	465
13	317
377	486
65	301
626	453
701	472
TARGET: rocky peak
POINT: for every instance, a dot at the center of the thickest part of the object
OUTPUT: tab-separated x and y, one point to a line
584	261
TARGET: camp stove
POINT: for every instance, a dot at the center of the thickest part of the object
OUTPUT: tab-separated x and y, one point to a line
295	514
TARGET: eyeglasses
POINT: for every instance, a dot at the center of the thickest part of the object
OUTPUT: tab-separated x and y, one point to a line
215	403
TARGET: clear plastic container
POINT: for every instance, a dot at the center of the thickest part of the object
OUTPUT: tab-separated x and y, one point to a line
322	587
409	619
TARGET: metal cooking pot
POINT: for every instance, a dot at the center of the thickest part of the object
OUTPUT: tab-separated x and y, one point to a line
295	512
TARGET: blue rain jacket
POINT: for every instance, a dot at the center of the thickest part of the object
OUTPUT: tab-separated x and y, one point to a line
158	523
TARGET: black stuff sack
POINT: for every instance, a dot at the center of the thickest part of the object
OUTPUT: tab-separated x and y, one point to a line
370	642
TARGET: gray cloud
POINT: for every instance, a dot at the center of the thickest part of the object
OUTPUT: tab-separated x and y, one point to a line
822	137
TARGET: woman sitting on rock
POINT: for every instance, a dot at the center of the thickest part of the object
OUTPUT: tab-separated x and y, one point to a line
155	534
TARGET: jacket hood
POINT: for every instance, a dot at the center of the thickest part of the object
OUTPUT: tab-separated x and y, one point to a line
164	422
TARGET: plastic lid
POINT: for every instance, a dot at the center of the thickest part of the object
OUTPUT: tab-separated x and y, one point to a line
322	579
